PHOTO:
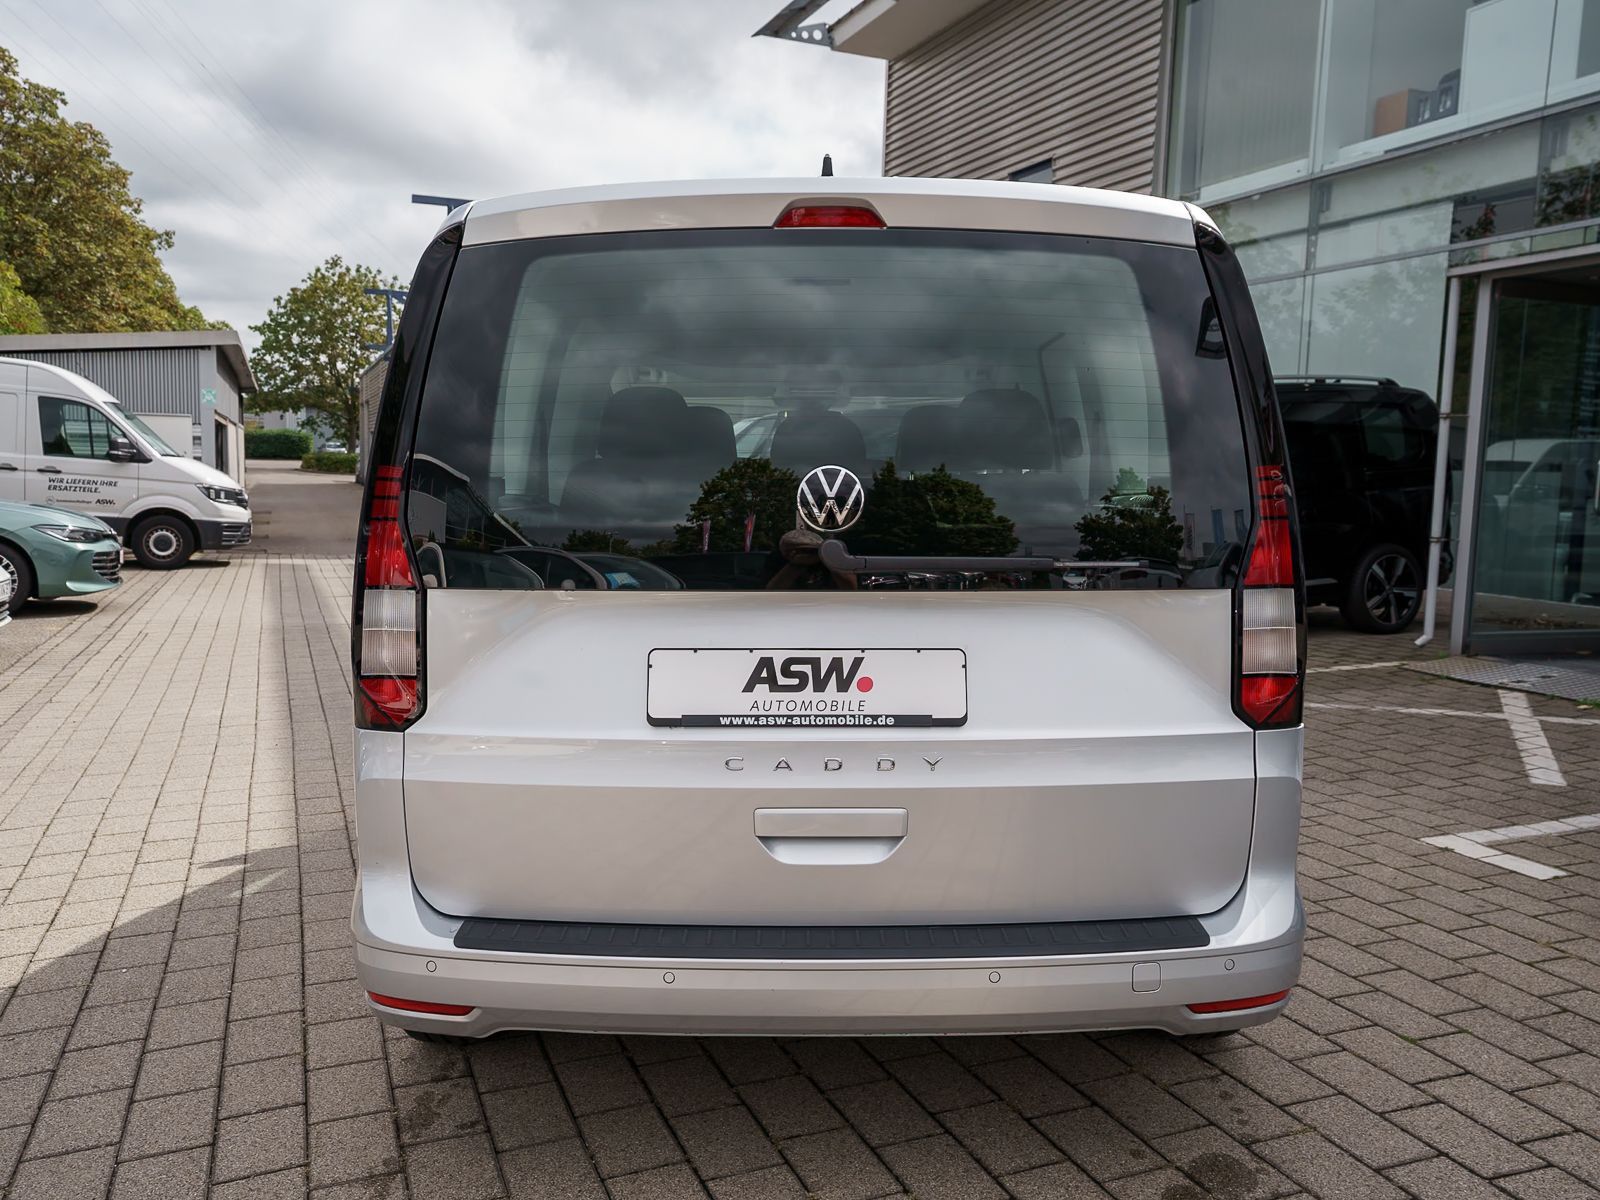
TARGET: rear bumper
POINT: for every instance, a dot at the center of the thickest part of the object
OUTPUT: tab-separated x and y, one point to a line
405	948
689	997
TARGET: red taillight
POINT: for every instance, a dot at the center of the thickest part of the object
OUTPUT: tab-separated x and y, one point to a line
1270	670
388	692
829	216
387	703
1262	696
1216	1006
422	1006
1272	556
388	564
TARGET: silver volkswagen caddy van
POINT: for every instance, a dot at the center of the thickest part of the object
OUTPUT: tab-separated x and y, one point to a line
811	606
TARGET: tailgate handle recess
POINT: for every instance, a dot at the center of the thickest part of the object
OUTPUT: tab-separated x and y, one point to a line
830	836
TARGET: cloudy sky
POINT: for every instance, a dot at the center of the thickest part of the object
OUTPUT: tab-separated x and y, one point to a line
268	136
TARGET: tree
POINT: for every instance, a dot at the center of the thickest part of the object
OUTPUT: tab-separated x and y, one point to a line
931	512
19	312
1133	522
603	540
69	226
727	500
313	346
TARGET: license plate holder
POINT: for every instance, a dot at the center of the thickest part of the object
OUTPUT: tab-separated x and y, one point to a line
806	687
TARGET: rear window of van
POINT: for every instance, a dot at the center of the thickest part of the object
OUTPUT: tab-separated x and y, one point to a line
639	411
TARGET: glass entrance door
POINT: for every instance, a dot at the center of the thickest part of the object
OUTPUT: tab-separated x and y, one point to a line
1536	573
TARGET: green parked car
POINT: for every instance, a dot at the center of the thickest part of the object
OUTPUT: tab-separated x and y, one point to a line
50	552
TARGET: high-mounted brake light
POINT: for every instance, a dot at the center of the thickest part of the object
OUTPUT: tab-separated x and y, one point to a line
1219	1006
829	216
421	1006
1269	654
388	694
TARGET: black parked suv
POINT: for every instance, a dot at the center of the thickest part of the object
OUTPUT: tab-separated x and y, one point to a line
1362	455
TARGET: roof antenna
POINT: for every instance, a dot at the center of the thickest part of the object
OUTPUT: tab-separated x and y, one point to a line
827	165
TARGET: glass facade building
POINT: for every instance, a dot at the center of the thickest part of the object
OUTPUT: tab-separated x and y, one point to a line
1414	189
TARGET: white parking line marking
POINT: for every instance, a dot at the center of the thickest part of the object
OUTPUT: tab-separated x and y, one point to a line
1515	833
1445	712
1461	844
1414	712
1538	760
1475	843
1524	866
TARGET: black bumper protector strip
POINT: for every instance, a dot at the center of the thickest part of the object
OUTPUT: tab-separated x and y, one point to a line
1042	939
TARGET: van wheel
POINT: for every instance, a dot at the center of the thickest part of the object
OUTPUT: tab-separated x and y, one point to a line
21	573
440	1039
1385	590
161	543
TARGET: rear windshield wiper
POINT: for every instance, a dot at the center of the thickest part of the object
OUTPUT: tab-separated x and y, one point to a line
836	557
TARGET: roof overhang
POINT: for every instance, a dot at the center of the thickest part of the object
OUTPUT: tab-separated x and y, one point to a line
874	28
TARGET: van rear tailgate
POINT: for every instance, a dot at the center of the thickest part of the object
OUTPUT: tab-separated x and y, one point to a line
1100	772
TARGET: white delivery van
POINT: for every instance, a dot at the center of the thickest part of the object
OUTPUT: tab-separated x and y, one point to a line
68	443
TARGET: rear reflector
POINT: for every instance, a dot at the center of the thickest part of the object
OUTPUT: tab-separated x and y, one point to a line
1216	1006
1271	637
422	1006
829	216
389	632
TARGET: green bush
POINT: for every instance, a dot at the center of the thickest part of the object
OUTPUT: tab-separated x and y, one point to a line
276	443
332	464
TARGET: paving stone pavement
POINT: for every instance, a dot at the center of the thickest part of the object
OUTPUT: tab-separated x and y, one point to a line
178	1015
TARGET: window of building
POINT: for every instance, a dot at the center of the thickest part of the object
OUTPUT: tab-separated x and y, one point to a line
1374	78
1348	272
1043	172
1280	308
1244	96
1568	173
1380	319
1398	74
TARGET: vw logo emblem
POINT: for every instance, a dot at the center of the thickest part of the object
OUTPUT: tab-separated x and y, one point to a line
830	499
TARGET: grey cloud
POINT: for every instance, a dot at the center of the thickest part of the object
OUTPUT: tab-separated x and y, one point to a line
348	106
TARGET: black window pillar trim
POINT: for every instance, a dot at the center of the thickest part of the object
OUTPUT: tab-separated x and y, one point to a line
401	398
1265	440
